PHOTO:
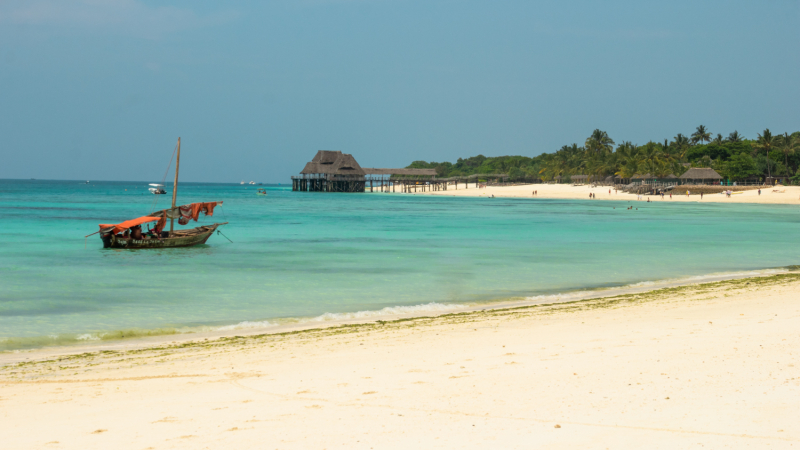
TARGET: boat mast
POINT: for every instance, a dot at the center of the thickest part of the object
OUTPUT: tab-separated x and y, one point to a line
175	187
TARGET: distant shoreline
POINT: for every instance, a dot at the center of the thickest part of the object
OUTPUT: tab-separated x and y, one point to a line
168	182
787	195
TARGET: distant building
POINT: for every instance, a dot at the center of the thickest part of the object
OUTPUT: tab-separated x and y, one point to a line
334	171
700	175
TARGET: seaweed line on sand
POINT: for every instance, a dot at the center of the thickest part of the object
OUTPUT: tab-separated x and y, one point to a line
32	371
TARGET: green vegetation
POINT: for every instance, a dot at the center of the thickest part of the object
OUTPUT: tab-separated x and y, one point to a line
734	157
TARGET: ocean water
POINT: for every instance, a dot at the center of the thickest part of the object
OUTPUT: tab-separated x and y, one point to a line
319	256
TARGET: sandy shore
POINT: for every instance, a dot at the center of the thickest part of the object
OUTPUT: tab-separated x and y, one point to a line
713	365
791	194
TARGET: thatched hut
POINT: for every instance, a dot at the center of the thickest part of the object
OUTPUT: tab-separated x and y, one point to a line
334	171
333	162
331	171
700	175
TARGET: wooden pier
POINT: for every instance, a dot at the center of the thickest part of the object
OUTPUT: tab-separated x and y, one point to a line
334	171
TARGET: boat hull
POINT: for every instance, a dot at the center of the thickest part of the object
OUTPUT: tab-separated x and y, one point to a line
183	238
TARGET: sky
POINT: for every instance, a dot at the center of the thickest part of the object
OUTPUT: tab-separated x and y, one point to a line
102	89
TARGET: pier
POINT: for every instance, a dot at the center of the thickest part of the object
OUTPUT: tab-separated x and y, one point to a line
334	171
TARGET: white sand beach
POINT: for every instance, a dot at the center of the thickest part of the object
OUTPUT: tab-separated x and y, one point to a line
700	366
776	195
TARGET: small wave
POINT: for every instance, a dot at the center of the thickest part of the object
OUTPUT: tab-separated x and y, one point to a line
30	342
246	324
88	337
390	311
708	277
649	285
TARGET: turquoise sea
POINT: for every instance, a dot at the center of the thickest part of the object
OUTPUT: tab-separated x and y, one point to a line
316	256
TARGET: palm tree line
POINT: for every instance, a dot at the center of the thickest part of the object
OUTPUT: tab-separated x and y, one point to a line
735	157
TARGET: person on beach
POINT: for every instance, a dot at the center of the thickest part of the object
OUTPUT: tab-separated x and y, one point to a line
701	196
759	192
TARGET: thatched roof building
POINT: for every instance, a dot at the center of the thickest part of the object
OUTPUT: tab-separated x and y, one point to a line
333	162
334	171
700	174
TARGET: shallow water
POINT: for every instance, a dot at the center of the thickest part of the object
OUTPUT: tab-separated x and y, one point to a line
302	255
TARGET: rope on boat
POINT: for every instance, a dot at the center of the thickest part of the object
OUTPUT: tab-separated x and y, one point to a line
226	237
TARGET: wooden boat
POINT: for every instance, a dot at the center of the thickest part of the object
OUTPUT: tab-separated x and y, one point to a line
180	238
121	235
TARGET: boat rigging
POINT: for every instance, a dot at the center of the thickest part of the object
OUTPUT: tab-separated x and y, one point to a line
129	235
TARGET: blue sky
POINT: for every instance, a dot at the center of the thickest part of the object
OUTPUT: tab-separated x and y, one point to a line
101	89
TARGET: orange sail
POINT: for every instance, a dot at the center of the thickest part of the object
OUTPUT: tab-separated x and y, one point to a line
120	227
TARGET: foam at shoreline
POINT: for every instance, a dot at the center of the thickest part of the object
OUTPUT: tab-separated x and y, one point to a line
389	313
648	286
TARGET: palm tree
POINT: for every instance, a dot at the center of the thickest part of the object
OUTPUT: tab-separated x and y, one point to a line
788	143
627	156
719	140
608	165
735	137
650	159
701	135
681	143
599	142
765	142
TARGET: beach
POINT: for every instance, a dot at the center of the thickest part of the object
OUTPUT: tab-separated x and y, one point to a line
776	195
711	365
